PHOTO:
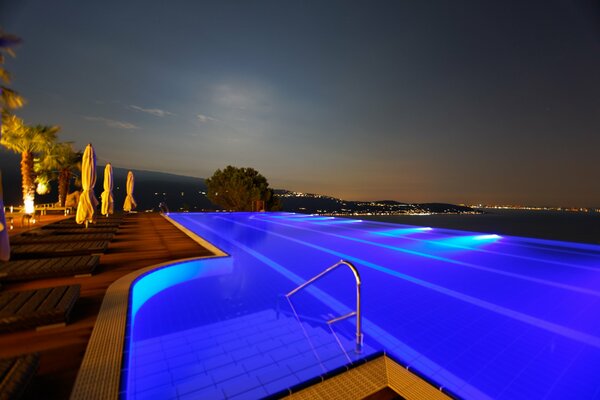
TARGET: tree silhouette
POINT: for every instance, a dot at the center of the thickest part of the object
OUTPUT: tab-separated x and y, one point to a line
236	189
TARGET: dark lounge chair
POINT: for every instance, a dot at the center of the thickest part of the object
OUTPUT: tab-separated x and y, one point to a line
40	308
97	222
22	251
49	238
48	268
73	225
15	375
66	230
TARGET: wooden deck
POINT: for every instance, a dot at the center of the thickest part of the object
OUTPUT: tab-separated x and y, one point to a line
144	239
19	226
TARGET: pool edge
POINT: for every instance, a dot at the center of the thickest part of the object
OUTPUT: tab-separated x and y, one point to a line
99	375
198	239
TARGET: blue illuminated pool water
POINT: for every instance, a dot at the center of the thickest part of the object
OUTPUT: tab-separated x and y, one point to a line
482	315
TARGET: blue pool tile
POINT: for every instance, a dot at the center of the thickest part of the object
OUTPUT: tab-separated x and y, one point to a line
186	372
149	358
184	348
184	359
227	373
272	373
207	393
300	362
309	373
148	370
218	361
336	362
256	338
244	353
252	394
202	341
282	353
240	385
267	346
204	353
234	345
257	362
281	384
228	337
162	392
154	380
194	384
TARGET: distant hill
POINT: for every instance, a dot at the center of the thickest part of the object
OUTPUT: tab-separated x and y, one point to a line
151	188
188	193
441	208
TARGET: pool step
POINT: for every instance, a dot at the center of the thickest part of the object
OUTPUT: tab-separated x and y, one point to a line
251	356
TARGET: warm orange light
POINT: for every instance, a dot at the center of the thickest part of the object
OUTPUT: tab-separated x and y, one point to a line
29	206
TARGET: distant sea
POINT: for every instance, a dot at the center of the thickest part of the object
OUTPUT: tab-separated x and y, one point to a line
567	226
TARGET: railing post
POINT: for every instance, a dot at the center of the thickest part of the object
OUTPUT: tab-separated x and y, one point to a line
359	334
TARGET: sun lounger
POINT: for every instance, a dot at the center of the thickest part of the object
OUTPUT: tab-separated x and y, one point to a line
22	251
48	268
71	225
69	230
40	308
15	375
45	238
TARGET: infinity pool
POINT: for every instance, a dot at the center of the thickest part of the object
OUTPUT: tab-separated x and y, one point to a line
482	315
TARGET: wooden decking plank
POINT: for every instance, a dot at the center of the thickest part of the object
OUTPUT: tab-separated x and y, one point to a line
5	366
34	301
6	298
18	375
52	299
74	231
73	262
68	299
16	303
48	267
58	249
50	239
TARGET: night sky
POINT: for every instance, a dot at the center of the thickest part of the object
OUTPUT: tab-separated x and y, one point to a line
420	101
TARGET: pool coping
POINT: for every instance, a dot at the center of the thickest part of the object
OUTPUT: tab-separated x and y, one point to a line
99	376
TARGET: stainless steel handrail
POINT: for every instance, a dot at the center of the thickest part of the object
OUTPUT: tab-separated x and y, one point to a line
357	313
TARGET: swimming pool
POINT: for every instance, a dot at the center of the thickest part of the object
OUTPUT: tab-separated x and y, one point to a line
482	315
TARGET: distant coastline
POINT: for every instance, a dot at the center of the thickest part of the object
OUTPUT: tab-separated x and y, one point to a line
552	225
182	193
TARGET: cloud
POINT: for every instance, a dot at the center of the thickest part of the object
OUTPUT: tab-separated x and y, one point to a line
113	124
205	118
154	111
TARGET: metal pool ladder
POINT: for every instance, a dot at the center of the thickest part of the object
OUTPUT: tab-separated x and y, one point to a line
357	313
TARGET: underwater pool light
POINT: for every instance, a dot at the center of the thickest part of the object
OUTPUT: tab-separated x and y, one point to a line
486	237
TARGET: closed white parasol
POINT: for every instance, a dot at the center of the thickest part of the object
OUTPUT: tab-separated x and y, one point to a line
107	195
86	208
130	203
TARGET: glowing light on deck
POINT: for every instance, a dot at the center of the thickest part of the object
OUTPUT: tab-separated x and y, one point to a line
29	206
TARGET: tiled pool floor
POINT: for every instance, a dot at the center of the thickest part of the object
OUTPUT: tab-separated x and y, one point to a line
261	353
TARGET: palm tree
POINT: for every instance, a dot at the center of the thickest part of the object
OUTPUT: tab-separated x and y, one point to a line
28	141
9	99
59	161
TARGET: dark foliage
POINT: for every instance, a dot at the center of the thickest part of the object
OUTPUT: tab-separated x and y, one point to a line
236	189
